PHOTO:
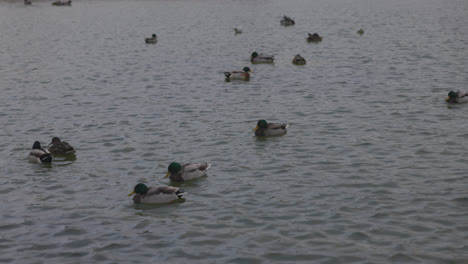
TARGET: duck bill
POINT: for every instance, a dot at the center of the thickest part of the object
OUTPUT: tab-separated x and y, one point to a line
131	193
255	128
448	98
167	175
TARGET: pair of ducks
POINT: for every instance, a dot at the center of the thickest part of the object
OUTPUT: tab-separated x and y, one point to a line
179	173
56	148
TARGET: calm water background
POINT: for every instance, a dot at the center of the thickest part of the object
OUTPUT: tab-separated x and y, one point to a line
372	170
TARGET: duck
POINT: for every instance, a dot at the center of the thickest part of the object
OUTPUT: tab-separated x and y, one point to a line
238	75
39	155
237	30
360	31
256	58
264	129
155	194
58	147
314	37
189	171
60	3
287	21
457	97
27	2
151	40
299	60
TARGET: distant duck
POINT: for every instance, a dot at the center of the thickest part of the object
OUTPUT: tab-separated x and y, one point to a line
58	147
27	2
256	58
237	30
39	155
243	75
155	194
60	3
270	129
151	40
188	171
314	37
361	31
299	60
456	97
287	21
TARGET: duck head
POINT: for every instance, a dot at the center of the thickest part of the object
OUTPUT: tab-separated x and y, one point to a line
174	167
254	55
55	140
261	124
140	188
36	145
451	96
246	69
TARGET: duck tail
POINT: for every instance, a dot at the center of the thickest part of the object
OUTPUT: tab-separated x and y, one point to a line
46	158
180	193
227	74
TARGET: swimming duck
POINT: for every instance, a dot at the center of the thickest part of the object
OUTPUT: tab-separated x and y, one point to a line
256	58
238	75
270	129
151	40
287	21
27	2
188	171
314	37
361	31
60	3
457	97
58	147
39	155
299	60
155	194
237	30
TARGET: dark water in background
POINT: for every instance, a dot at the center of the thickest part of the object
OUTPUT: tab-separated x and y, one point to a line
372	170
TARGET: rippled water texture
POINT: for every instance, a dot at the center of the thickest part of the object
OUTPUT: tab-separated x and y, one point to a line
372	170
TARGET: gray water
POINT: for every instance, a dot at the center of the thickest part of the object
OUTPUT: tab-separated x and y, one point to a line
373	168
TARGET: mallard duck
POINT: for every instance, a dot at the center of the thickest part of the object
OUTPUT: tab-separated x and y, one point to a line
256	58
151	40
287	21
238	75
361	31
27	2
58	147
457	97
299	60
155	194
237	30
188	171
270	129
60	3
38	154
314	37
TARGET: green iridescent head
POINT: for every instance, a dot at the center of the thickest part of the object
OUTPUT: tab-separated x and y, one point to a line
140	188
174	167
246	69
254	54
262	123
452	94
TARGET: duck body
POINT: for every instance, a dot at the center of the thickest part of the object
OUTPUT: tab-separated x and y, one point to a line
189	171
58	147
151	40
287	21
237	30
156	194
243	75
60	3
299	60
264	129
39	155
257	58
314	37
457	97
